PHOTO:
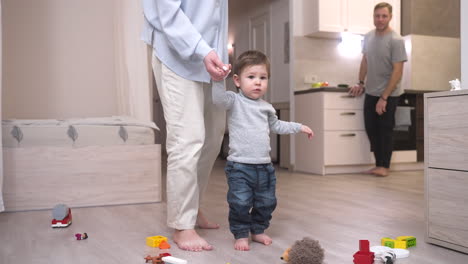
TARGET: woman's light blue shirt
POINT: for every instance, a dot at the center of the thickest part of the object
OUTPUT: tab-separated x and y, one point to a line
183	32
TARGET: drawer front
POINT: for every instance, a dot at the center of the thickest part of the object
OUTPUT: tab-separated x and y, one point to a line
447	207
335	119
346	148
343	101
447	130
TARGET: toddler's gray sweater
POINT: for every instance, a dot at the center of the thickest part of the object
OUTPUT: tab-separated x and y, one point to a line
250	123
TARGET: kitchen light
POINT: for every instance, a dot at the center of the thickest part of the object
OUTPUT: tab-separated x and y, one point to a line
351	44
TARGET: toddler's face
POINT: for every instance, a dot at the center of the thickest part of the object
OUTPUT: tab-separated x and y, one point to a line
253	81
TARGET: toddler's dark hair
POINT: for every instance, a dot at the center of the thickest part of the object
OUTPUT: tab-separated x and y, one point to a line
249	58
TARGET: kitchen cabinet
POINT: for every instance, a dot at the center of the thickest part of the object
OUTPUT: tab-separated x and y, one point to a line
328	18
340	139
446	169
340	144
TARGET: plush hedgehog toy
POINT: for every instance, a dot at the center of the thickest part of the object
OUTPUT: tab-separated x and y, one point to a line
305	251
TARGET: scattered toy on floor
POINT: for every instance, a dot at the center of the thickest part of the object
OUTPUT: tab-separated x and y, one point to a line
173	260
385	257
400	242
364	255
81	236
302	251
155	241
61	215
164	245
153	259
399	252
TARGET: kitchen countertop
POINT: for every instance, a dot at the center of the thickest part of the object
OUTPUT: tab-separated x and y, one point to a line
345	90
323	89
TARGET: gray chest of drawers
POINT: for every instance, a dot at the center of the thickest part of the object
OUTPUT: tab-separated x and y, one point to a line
446	169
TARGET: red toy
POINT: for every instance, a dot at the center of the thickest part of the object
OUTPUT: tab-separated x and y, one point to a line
81	236
364	255
154	260
62	221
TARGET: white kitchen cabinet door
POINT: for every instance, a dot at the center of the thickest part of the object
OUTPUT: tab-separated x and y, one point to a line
324	18
329	18
359	14
347	148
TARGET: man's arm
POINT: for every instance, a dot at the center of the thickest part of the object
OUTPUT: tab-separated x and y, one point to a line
394	79
358	89
397	72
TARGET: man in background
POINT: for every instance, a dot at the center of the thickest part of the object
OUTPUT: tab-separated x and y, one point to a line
382	63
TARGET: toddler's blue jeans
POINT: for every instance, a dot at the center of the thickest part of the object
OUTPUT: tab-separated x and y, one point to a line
251	197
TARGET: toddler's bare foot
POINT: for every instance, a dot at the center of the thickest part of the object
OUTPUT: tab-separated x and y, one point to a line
203	223
189	240
262	238
242	244
380	172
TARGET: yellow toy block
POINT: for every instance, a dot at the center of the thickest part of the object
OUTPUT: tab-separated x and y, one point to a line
154	241
400	244
403	242
410	240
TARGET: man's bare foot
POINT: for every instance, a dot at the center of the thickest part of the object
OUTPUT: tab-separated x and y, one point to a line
188	239
242	244
370	171
380	172
262	238
203	223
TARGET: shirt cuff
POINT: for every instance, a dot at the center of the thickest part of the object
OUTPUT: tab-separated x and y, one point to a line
202	49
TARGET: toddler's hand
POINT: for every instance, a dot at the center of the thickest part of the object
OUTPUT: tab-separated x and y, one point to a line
308	131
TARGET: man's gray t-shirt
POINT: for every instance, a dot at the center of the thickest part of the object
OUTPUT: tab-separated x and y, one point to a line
381	52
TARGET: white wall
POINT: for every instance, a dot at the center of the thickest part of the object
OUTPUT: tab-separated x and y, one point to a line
58	59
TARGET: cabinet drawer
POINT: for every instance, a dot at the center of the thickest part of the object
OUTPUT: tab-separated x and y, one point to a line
343	101
346	148
335	119
447	129
447	207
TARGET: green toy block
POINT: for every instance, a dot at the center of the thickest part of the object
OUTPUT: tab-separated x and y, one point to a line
388	242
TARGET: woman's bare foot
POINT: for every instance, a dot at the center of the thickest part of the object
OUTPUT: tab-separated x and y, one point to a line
262	238
203	223
242	244
380	172
188	239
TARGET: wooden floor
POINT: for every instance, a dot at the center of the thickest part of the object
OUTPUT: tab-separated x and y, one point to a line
337	210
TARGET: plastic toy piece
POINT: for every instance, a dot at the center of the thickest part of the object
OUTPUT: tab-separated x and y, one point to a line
81	236
154	260
62	216
410	240
364	255
172	260
164	245
400	253
388	242
154	241
403	242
